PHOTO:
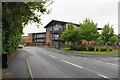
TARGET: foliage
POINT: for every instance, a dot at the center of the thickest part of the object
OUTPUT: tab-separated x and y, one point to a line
103	49
113	39
80	48
107	32
90	48
89	30
72	34
15	15
23	41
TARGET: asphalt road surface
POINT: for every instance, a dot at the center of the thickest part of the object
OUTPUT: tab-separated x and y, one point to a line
49	64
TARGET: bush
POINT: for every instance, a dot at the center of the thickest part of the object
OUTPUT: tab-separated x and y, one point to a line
103	49
110	49
67	48
80	48
90	48
72	47
97	49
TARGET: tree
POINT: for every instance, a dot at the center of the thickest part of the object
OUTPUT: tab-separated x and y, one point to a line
113	39
107	32
89	30
71	35
99	40
15	15
23	41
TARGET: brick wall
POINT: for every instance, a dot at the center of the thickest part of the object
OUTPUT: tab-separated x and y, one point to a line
47	35
29	40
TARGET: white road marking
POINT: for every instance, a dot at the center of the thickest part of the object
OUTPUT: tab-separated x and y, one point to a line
97	60
79	57
72	64
106	63
112	64
85	58
103	76
53	56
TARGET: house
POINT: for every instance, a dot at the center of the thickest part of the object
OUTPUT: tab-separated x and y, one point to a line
37	37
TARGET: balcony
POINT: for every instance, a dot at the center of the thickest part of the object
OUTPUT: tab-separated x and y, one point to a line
56	31
56	39
39	37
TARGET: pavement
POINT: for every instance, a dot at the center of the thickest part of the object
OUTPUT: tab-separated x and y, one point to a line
47	63
17	67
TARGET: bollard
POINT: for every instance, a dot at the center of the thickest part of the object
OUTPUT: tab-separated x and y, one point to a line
4	60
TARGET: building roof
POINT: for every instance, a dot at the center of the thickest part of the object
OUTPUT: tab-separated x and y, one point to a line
48	25
38	33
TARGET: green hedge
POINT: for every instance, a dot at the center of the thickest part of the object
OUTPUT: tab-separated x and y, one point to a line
90	48
80	48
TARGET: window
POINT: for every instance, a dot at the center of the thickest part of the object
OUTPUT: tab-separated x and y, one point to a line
56	35
50	36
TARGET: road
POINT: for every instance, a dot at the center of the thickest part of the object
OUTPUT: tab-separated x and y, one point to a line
49	64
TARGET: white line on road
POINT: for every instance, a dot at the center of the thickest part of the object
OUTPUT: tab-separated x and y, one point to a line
106	63
85	58
72	64
44	53
103	76
79	57
96	60
53	56
112	64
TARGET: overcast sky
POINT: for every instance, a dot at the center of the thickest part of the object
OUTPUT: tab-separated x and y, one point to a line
100	11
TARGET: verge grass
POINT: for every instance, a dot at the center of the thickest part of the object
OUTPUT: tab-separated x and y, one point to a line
91	52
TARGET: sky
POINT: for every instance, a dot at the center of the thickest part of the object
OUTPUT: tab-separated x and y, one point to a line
100	11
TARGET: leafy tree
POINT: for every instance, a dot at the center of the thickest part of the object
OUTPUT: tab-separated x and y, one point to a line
72	34
113	39
89	30
99	40
15	15
23	41
107	32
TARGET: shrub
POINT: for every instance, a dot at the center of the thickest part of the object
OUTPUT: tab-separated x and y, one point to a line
72	47
90	48
103	49
110	49
80	48
97	49
67	48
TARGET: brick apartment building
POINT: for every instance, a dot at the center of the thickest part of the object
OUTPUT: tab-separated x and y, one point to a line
54	29
37	37
52	34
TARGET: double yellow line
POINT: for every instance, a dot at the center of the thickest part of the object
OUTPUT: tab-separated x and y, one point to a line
29	68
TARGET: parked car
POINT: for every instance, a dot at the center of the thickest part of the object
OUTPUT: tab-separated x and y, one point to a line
20	46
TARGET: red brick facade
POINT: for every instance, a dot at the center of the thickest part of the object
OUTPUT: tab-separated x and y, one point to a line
48	36
29	40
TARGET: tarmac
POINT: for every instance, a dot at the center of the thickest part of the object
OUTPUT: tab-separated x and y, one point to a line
17	67
82	54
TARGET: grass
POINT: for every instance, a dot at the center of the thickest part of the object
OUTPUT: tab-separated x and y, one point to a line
90	52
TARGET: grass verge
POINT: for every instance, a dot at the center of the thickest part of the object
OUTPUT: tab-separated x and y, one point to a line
91	52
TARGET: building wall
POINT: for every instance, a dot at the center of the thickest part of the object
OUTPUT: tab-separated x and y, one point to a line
39	38
48	35
29	40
